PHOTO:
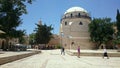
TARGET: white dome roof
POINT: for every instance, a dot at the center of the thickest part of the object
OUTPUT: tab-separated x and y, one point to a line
73	9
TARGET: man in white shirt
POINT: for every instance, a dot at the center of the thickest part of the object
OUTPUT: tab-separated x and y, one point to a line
105	53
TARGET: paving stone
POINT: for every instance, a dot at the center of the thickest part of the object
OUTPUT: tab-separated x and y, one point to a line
53	59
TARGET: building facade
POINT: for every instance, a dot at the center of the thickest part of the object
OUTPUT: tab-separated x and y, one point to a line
74	29
11	42
54	40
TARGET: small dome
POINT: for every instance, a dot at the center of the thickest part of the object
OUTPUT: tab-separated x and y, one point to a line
73	9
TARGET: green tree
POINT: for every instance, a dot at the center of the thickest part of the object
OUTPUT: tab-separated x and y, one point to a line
22	40
101	31
43	34
118	21
31	38
117	39
10	12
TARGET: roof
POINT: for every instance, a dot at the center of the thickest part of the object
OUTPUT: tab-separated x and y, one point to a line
73	9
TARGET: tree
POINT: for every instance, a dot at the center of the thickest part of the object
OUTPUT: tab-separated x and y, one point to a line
101	31
10	12
31	38
22	38
117	35
43	34
118	21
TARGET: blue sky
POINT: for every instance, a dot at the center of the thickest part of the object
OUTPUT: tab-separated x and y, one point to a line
51	11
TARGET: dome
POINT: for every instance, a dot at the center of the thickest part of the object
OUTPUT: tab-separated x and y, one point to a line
73	9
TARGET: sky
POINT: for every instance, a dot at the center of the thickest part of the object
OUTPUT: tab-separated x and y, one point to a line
51	11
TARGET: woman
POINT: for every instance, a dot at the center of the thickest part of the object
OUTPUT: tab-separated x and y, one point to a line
78	51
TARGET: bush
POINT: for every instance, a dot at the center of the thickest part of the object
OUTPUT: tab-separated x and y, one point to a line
58	46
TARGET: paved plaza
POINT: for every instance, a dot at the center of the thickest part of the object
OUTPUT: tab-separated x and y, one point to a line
7	54
53	59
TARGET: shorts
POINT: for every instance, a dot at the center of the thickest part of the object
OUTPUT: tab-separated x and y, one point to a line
105	54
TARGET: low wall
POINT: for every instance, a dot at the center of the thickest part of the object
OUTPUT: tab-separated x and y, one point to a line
16	57
117	54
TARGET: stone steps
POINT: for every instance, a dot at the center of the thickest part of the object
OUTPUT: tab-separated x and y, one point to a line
97	54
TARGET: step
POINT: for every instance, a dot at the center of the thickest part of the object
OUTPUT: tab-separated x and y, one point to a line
11	58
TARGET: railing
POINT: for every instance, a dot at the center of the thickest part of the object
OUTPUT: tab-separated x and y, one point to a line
77	16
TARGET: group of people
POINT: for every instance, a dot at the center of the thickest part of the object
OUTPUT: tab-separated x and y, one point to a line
78	52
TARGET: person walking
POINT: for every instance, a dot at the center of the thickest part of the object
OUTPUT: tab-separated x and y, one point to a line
78	51
105	54
62	50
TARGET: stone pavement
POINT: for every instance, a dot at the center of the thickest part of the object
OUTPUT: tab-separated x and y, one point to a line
53	59
12	53
9	56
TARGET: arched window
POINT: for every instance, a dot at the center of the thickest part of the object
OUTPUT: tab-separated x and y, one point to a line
71	15
65	17
78	14
80	23
65	23
72	43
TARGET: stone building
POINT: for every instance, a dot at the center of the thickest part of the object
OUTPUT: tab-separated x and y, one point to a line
11	42
55	40
74	29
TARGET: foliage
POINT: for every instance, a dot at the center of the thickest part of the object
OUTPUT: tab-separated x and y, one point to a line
22	40
118	20
101	30
117	39
31	38
58	46
10	12
43	34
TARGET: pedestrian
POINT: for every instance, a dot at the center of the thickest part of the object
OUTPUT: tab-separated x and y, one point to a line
105	54
62	50
78	49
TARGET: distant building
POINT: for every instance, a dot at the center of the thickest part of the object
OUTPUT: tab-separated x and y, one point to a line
11	42
55	40
74	29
